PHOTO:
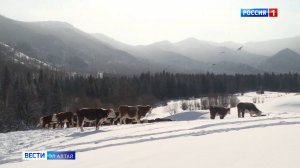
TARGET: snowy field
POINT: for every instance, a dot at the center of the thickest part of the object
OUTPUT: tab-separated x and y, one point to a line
192	141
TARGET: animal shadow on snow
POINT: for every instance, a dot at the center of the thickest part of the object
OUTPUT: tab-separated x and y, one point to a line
70	137
82	134
187	116
199	132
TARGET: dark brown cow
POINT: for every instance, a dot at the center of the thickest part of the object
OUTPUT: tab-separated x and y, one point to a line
48	121
65	117
221	111
133	112
98	115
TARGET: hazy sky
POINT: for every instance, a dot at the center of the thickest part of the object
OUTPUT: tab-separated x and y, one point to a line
147	21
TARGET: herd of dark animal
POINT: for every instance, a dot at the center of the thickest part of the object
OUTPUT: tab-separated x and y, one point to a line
98	116
126	115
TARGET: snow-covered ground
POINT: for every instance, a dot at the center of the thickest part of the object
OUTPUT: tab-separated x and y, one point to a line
191	141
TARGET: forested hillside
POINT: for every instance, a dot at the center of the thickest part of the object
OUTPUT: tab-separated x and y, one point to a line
29	93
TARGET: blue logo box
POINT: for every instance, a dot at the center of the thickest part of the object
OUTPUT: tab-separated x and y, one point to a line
63	155
255	12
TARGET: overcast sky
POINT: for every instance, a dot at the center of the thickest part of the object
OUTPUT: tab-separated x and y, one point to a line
148	21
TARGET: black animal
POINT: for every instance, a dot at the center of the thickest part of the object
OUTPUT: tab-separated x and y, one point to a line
218	111
97	115
248	108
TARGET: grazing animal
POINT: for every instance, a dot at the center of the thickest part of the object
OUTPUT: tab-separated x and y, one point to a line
248	108
65	117
48	121
218	111
97	115
133	112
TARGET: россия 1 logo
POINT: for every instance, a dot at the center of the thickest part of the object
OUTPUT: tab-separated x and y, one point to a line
259	12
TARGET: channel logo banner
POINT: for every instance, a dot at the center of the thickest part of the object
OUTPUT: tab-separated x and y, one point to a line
49	155
259	12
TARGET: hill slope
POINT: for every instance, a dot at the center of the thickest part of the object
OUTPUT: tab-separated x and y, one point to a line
271	47
283	62
65	46
169	59
9	54
214	52
191	55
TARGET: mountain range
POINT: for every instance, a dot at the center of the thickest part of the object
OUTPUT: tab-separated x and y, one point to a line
65	47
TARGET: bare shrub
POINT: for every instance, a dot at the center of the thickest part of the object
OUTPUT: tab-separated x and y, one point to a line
172	107
254	100
234	101
198	104
205	103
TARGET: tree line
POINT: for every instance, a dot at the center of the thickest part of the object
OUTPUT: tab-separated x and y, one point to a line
27	94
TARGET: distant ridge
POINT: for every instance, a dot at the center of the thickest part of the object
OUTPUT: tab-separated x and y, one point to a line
64	46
